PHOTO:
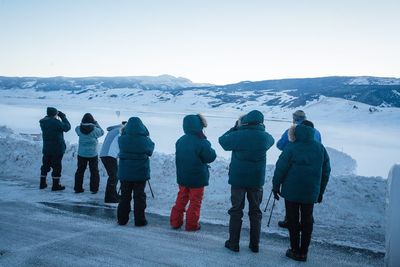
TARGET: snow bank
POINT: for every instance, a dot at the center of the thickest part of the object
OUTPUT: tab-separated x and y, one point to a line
393	218
352	212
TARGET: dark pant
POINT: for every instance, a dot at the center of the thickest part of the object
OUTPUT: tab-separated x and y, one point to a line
139	202
51	162
94	173
300	221
254	197
111	166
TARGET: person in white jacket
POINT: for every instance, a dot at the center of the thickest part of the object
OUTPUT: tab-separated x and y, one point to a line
108	155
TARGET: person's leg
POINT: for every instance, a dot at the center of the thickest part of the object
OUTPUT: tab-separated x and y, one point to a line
80	172
111	166
124	206
292	212
177	211
193	212
307	222
44	169
56	165
254	196
139	202
236	215
94	174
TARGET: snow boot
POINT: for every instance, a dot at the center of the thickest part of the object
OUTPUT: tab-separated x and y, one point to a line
111	195
56	185
232	247
141	222
254	248
294	255
79	190
43	183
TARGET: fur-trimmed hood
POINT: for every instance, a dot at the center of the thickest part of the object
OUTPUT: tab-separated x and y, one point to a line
194	124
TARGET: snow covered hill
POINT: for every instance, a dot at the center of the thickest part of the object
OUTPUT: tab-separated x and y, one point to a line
292	93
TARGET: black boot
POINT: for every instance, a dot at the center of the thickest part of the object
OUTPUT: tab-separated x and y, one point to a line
232	247
235	226
43	183
111	195
56	185
294	255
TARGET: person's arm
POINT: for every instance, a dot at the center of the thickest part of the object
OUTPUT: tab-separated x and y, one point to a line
270	141
150	147
229	140
317	136
283	141
65	126
326	171
97	131
207	153
281	169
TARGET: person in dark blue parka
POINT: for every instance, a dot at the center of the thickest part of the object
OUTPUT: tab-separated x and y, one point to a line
249	143
135	148
53	146
301	175
193	153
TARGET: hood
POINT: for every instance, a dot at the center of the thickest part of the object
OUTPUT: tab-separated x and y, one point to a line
252	118
304	133
86	128
135	126
192	124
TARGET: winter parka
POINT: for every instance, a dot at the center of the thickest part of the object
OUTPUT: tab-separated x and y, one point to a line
303	168
135	148
88	134
284	140
53	134
193	153
249	143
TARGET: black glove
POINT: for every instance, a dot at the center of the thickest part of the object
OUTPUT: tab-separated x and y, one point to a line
276	193
320	198
61	114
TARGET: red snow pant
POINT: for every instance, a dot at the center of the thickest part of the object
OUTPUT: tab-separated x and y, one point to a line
186	194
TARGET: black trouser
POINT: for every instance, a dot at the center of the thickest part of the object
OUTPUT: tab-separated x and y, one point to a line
51	162
111	166
300	221
254	197
139	201
94	173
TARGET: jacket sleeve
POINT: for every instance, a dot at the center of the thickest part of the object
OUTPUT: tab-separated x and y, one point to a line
114	148
283	141
150	147
207	153
64	124
270	141
281	169
97	131
317	136
229	140
326	171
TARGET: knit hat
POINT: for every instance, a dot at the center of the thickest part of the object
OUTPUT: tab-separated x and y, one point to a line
88	118
299	116
51	112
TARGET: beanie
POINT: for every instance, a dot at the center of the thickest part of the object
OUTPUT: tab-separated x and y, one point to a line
51	112
299	116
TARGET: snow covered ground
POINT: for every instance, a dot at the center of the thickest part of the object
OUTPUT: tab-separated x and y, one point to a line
352	213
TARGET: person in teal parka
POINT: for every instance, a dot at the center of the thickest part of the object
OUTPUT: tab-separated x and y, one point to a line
301	176
249	143
135	148
193	154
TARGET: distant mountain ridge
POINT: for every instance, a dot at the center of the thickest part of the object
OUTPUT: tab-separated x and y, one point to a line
375	91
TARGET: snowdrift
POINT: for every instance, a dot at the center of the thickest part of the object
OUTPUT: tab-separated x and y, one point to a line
351	214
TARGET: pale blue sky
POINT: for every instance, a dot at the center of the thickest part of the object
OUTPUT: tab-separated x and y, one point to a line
205	41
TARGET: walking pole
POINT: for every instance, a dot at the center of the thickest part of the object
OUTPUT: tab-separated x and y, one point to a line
151	190
266	206
270	215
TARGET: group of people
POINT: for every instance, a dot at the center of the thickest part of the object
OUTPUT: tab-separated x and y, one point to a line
301	174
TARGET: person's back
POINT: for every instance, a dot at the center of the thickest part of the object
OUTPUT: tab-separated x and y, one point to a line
135	148
248	143
193	153
88	138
